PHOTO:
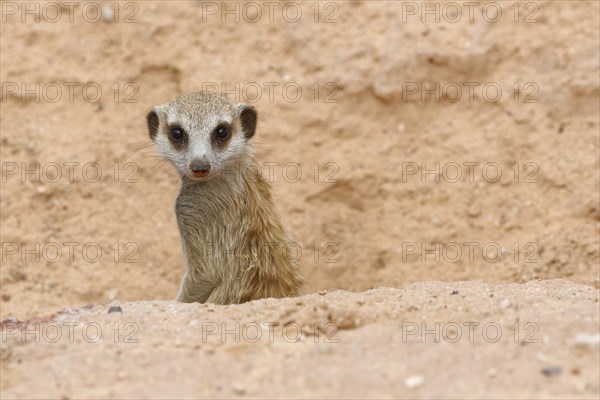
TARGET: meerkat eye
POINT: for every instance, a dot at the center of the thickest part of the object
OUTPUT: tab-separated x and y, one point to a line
222	132
176	133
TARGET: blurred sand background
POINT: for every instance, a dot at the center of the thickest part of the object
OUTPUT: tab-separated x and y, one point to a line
365	212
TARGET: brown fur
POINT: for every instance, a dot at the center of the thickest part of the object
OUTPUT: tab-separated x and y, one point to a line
235	246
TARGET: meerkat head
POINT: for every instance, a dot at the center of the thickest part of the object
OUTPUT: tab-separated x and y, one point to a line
202	134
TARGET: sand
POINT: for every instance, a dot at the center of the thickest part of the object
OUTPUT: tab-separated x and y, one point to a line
397	192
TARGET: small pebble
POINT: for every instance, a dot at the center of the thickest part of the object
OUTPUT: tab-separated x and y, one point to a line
505	303
323	292
238	388
9	320
413	381
552	370
113	309
454	292
112	294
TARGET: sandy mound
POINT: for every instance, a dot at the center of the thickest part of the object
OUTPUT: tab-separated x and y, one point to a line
431	339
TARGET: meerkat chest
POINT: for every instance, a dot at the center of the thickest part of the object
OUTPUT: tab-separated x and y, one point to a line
211	219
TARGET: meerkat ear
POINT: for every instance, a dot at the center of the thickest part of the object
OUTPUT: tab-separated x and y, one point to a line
248	118
153	123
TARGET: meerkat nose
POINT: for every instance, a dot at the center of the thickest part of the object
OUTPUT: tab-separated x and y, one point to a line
200	169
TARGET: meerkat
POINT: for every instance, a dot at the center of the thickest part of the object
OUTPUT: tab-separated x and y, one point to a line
235	247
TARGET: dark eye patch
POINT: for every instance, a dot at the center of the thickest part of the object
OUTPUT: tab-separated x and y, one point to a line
177	136
221	134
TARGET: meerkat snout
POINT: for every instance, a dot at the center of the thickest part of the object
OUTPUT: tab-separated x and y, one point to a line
200	169
235	247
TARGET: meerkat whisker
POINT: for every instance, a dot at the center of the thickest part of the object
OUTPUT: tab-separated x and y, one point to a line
156	168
